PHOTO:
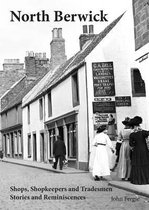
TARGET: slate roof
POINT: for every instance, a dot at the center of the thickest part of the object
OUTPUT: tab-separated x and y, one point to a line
65	69
18	99
75	61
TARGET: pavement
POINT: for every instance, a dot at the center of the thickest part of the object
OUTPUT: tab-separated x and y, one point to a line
112	181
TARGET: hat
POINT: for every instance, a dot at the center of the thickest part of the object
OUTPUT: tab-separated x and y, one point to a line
101	128
126	121
135	121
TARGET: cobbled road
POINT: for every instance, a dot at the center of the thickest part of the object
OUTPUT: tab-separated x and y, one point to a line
25	188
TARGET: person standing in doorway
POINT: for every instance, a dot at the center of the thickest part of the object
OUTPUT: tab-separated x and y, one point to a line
59	152
111	127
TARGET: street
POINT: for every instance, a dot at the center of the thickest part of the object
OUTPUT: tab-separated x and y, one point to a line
25	188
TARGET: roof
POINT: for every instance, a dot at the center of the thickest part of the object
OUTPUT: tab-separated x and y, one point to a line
22	92
74	62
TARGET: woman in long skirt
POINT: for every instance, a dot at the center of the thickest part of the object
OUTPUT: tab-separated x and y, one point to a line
124	164
101	162
140	153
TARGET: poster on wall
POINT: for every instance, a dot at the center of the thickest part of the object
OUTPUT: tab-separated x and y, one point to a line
105	114
103	79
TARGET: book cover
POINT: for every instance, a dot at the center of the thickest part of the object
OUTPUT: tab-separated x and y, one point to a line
70	70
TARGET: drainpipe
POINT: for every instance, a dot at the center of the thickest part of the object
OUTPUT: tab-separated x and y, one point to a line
87	113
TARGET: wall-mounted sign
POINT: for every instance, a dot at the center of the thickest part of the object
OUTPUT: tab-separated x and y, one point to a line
123	101
102	99
104	107
103	79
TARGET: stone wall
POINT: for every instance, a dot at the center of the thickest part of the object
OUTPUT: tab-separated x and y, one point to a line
141	22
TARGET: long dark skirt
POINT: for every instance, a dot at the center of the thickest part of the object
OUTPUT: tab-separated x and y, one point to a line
139	175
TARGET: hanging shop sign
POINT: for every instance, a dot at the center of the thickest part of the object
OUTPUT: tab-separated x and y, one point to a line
123	101
103	79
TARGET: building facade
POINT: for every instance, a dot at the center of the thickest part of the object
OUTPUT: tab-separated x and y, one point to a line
11	103
141	36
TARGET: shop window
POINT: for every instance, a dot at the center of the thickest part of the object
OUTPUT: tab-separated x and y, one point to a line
71	133
49	105
28	114
41	108
138	85
52	139
5	144
15	143
20	143
8	144
29	145
75	89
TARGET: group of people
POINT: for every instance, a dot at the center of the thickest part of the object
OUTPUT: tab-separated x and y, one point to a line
132	152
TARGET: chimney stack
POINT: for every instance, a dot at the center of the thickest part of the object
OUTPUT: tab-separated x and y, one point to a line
57	46
88	33
35	64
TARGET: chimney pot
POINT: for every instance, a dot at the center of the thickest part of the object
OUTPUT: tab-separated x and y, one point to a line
85	29
44	55
27	53
31	54
55	33
59	32
91	29
40	55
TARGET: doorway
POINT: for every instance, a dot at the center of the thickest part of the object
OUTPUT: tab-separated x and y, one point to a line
34	147
42	147
61	132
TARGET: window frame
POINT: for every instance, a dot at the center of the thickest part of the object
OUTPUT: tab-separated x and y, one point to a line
28	114
29	152
134	93
75	89
49	104
41	108
71	141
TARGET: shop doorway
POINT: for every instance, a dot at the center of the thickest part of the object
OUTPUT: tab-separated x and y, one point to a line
42	148
34	147
12	145
61	132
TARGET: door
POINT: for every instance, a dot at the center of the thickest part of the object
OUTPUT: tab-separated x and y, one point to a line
42	147
61	132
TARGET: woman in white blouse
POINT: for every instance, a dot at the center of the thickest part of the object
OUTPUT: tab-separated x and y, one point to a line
101	162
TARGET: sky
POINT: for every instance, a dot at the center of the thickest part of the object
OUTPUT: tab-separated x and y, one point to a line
16	38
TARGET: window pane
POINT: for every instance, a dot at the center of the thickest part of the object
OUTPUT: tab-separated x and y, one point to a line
75	89
49	105
71	132
29	145
138	84
41	108
51	141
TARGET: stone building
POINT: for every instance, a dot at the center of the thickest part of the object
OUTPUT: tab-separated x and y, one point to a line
11	111
141	54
